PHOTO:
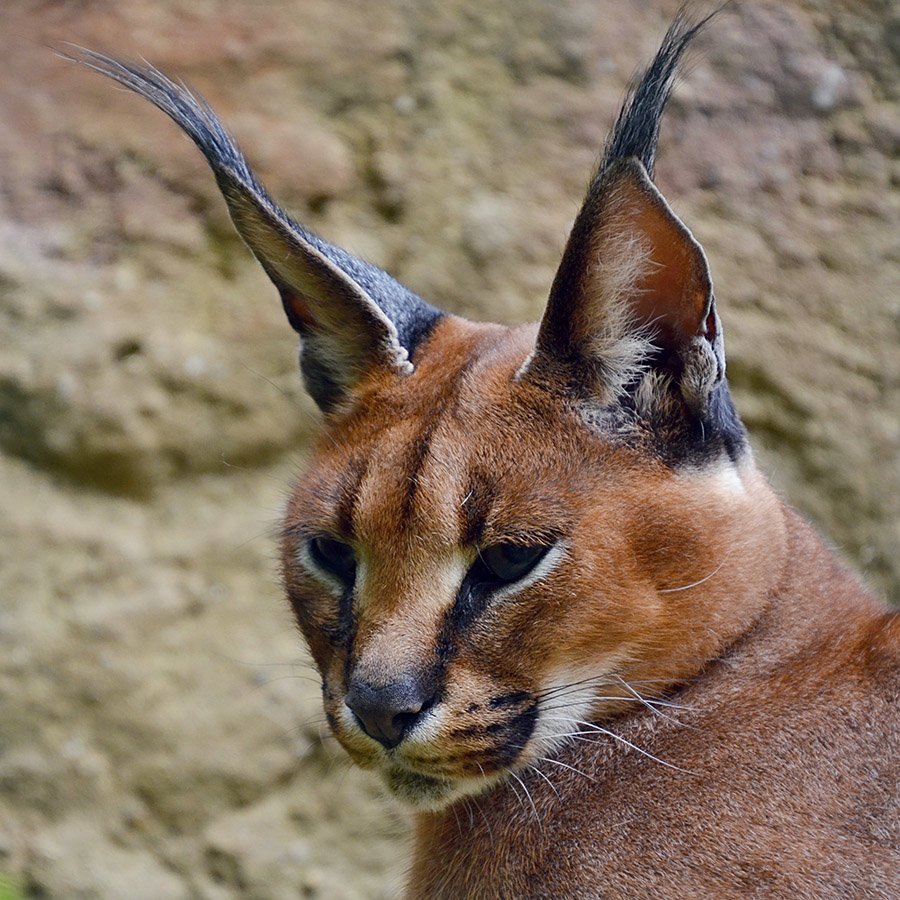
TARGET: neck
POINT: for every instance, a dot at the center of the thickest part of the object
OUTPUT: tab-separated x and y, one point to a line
732	548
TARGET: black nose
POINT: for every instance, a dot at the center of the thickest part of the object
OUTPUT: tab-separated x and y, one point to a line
387	713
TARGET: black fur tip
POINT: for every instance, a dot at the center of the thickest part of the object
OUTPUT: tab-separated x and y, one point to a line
636	131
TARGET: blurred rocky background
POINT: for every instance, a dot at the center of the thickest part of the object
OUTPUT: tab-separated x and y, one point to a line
160	732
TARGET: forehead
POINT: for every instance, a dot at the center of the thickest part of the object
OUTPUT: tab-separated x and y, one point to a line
456	447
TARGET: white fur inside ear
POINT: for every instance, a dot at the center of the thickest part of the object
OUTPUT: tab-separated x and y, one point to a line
704	369
618	342
699	373
653	394
636	282
612	337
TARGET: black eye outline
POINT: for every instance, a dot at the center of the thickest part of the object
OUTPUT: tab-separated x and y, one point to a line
334	556
507	562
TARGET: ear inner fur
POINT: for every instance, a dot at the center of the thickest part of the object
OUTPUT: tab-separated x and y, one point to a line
673	291
633	292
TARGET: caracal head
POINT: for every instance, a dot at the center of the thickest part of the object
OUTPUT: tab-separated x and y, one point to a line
506	532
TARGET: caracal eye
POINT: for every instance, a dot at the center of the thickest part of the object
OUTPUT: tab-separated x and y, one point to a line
510	562
334	556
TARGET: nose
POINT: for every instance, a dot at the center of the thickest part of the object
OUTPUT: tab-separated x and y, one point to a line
387	713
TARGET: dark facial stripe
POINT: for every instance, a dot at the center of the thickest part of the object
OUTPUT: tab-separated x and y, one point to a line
516	734
340	630
474	510
471	601
521	731
512	699
349	623
348	492
422	443
418	455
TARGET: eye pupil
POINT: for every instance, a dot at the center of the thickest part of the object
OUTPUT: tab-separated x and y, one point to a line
510	562
334	556
516	555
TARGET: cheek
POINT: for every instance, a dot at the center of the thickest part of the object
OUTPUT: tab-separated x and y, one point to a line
516	643
604	600
314	618
584	611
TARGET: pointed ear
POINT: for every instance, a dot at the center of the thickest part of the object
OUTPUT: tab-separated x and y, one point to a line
631	310
353	318
632	293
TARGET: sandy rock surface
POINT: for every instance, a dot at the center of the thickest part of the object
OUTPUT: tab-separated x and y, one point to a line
160	730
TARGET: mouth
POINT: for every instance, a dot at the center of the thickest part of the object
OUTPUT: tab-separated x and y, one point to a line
438	781
472	756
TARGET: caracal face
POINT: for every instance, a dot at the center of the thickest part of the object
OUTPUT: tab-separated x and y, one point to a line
461	533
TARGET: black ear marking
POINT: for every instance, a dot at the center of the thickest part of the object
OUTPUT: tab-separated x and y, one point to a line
352	316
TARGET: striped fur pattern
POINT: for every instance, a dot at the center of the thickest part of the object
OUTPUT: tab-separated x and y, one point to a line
554	604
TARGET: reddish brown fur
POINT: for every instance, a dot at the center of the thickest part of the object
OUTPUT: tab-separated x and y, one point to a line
792	749
787	776
681	694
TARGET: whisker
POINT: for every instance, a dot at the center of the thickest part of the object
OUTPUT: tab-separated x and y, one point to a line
456	816
693	584
310	722
268	380
572	684
487	821
598	729
537	817
299	662
535	768
278	678
556	762
479	807
469	811
595	681
644	701
513	788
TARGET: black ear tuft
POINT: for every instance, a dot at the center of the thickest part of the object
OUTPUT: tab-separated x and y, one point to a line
352	316
636	131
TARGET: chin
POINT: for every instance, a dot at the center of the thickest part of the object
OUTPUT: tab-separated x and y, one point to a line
429	793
